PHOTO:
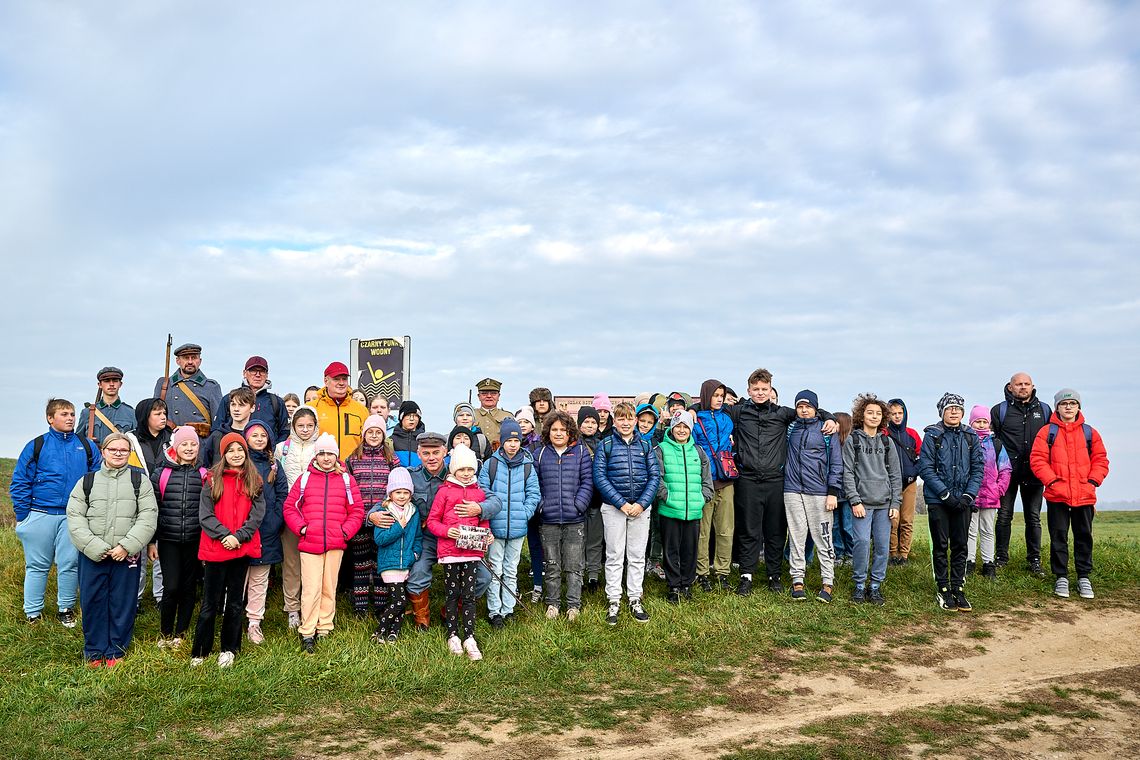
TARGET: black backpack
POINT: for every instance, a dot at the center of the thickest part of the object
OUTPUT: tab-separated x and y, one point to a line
89	483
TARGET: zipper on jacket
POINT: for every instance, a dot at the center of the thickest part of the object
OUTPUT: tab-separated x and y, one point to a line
685	469
325	508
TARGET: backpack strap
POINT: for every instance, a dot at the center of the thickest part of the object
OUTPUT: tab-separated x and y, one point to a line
88	484
347	488
37	447
1052	436
136	481
492	470
304	482
1003	407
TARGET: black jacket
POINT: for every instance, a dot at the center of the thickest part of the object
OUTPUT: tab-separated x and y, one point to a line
1023	419
760	437
178	506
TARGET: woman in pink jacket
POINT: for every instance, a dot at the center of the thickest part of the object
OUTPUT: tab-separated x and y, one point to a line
323	509
995	482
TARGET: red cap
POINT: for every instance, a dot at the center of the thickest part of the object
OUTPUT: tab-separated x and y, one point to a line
256	361
335	369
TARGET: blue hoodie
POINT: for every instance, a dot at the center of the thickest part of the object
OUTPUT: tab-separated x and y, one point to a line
520	495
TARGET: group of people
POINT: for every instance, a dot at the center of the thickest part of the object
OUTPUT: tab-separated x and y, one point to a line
215	490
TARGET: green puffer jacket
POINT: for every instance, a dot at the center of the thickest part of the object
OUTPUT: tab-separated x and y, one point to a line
686	481
113	517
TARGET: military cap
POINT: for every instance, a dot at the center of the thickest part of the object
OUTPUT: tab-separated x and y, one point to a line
488	384
188	348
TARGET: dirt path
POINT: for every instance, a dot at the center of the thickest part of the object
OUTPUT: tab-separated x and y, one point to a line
1023	654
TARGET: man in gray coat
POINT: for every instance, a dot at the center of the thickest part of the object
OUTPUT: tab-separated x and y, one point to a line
191	397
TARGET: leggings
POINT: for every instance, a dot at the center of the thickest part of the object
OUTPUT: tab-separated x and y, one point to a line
459	581
393	601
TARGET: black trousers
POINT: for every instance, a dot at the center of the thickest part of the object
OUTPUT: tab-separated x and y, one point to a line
223	586
1061	517
181	570
1031	494
459	606
949	531
679	540
764	524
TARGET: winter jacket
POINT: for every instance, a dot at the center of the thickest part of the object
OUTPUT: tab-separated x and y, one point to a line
953	464
686	481
153	447
872	475
343	420
995	481
267	407
179	502
179	408
234	513
626	472
760	433
443	516
405	445
518	493
398	546
295	454
275	494
1071	473
331	511
371	466
566	482
113	516
907	443
1018	431
713	433
121	415
814	462
208	452
45	485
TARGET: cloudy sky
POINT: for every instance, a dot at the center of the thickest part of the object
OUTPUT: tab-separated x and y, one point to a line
906	199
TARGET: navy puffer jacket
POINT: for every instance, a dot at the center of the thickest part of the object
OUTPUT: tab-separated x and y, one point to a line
275	494
814	462
626	472
951	462
566	483
178	505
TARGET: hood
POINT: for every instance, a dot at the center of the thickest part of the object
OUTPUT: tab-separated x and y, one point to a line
906	416
708	388
267	453
142	414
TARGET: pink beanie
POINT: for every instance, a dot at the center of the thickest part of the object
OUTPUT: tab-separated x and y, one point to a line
602	401
979	412
326	444
399	478
182	433
374	420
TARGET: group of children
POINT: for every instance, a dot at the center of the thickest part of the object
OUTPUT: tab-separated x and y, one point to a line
592	495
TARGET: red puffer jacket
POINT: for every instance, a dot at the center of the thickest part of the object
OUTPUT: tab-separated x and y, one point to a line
443	516
330	512
1070	474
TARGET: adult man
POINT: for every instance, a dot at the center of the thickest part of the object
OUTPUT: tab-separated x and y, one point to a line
191	397
427	477
338	413
268	406
112	414
488	416
1015	423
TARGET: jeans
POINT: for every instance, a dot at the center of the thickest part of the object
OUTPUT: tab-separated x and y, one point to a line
110	602
156	588
419	579
46	541
842	530
534	547
563	547
1031	495
504	556
876	526
595	543
626	539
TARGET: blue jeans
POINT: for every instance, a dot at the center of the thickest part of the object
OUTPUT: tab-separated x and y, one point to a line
110	600
46	541
504	556
419	578
876	526
842	535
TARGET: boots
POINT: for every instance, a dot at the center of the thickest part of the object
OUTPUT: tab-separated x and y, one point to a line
420	608
989	571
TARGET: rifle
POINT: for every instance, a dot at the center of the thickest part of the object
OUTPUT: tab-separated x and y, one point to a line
91	415
166	380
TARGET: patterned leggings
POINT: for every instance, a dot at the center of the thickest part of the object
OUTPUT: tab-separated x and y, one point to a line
366	585
459	580
393	601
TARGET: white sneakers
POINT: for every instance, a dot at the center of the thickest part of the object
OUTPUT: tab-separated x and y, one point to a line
472	649
196	661
254	633
454	646
294	619
1061	588
572	614
1085	589
225	659
551	612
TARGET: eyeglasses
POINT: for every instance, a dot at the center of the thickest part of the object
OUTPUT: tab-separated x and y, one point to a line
257	371
119	452
1068	403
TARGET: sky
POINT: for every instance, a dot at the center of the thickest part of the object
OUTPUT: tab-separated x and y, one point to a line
899	198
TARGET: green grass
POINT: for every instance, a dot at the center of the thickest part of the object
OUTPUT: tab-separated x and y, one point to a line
544	677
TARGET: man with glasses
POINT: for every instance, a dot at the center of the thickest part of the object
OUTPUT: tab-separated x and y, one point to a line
191	397
112	414
268	406
47	470
489	417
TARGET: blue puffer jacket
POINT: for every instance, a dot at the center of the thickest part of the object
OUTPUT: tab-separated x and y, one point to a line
519	494
566	483
275	494
951	462
398	546
815	462
45	485
713	433
626	472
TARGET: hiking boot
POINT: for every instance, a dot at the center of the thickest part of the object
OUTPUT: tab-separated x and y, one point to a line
875	597
947	600
67	617
798	593
472	649
294	619
1035	568
536	595
744	588
225	659
989	571
638	612
705	583
1061	588
775	586
572	614
673	597
255	634
454	645
824	594
962	602
857	595
612	613
551	612
308	644
722	580
1085	589
970	566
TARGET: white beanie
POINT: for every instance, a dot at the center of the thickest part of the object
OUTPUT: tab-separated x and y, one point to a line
683	417
462	456
326	443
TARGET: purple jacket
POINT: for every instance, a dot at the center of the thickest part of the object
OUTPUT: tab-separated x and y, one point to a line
995	481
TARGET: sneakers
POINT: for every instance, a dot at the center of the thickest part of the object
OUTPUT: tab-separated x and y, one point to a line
875	596
638	612
393	638
472	649
572	614
35	619
1061	588
658	570
989	571
551	612
745	586
254	633
798	593
686	592
536	595
111	662
970	567
163	642
592	585
225	659
824	594
176	642
308	644
947	600
196	661
497	622
962	602
858	595
67	618
1085	589
724	584
294	619
1035	568
96	663
455	646
673	597
323	634
775	586
612	613
705	583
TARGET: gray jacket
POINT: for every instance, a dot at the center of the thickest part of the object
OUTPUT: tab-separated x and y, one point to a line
113	517
872	475
179	408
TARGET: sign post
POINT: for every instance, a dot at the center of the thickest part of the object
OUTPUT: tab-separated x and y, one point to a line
381	367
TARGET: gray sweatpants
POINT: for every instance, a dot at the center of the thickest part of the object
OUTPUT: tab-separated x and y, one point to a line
982	524
626	539
807	513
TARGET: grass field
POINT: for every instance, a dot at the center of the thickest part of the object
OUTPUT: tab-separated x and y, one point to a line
544	676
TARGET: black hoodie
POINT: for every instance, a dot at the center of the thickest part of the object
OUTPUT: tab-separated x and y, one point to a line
152	446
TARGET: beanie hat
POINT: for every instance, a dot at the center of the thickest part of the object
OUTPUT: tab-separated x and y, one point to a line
683	417
647	408
509	429
460	407
456	431
676	397
526	414
1066	394
951	399
979	412
587	412
373	421
809	397
409	407
257	423
181	434
602	402
399	478
326	444
229	438
462	456
541	394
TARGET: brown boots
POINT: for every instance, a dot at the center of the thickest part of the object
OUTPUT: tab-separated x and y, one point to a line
420	608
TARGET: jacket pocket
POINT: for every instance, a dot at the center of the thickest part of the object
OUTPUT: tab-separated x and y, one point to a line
875	491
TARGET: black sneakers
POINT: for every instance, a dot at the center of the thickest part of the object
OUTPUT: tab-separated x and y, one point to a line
724	584
1035	569
947	600
308	644
962	602
673	597
798	592
745	586
705	583
775	586
875	597
989	571
67	618
638	612
858	595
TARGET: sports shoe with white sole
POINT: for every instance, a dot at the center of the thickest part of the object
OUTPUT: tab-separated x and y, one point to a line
1085	589
472	649
454	645
1061	588
255	634
225	659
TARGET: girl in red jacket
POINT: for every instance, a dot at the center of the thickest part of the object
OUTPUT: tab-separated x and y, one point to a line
231	509
323	509
1068	456
451	509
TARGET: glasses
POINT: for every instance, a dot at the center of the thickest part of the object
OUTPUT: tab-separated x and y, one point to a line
1068	403
118	452
257	371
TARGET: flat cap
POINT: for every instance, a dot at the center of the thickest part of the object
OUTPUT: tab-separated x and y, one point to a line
430	439
188	348
488	384
109	373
